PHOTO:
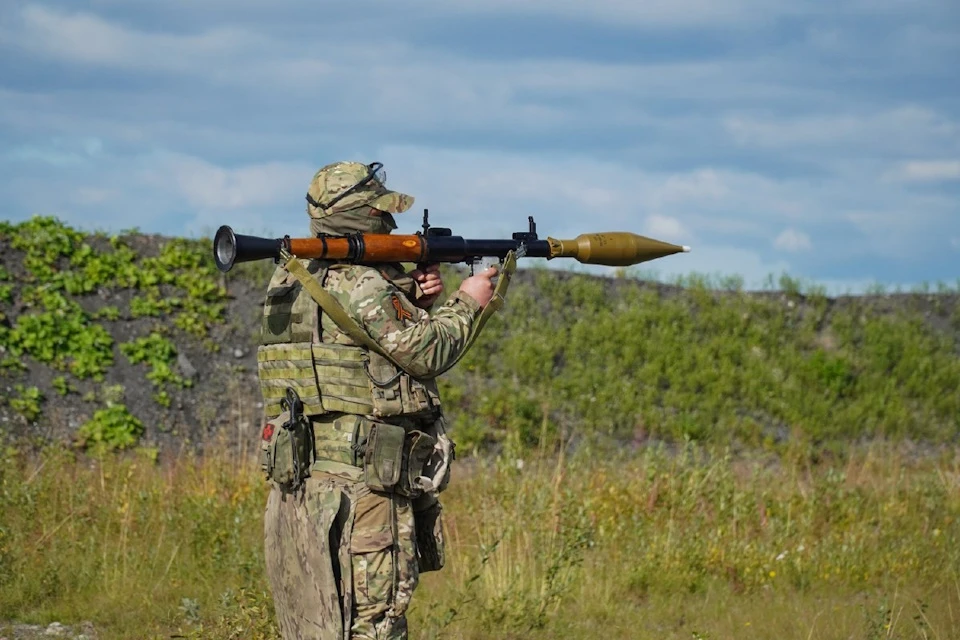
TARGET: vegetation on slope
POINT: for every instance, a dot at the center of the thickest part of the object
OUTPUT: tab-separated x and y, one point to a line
78	313
581	355
572	356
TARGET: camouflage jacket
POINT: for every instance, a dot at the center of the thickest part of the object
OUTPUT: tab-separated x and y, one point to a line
381	301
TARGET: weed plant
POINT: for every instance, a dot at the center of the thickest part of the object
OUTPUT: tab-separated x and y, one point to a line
652	544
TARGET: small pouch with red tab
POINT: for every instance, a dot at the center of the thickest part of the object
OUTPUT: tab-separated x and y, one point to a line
286	450
276	456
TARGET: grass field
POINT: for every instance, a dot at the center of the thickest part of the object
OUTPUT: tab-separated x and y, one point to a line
763	514
687	543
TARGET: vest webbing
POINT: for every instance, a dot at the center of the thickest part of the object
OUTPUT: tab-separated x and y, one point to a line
327	377
287	365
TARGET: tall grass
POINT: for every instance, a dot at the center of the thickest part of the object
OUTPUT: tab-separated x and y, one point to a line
649	544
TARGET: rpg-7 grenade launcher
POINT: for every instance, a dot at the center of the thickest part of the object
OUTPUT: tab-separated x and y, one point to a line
436	244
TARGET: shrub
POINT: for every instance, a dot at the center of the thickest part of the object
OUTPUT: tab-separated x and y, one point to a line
111	428
27	402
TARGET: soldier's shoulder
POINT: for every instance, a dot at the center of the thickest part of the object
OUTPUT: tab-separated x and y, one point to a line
280	280
355	279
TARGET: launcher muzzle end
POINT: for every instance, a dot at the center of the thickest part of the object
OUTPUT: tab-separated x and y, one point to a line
229	247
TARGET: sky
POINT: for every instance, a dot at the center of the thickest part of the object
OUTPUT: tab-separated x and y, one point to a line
816	139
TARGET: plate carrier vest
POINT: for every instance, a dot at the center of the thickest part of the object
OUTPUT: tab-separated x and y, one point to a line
328	377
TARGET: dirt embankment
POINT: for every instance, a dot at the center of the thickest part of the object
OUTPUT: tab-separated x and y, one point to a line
222	396
221	405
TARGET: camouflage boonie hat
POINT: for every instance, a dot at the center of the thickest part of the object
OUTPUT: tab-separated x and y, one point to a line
335	188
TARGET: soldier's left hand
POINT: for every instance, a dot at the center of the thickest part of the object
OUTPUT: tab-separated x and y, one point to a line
430	284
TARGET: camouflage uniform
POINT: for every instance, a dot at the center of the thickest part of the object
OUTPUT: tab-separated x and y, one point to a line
343	558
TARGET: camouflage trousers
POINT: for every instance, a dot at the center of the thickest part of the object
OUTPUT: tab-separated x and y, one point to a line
341	560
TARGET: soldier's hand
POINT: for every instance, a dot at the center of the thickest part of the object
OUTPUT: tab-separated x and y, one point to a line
430	283
479	287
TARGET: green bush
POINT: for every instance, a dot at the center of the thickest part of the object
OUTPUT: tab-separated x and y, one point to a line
58	332
616	358
26	402
107	313
61	385
110	429
160	354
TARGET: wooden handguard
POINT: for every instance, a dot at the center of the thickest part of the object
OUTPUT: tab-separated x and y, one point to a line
365	248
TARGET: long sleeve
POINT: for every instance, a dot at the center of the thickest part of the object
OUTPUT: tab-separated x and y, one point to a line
423	343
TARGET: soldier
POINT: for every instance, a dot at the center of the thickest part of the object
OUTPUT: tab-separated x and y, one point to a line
345	548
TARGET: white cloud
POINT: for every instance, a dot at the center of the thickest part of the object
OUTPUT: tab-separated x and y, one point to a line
793	241
219	113
424	89
927	171
664	13
578	193
649	13
260	198
666	228
89	39
485	192
905	228
206	186
405	84
700	186
117	192
718	261
896	129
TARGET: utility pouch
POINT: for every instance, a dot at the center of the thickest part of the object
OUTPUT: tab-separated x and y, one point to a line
396	392
417	449
383	458
286	445
428	527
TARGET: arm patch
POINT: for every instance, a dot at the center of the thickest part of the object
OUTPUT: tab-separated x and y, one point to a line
402	314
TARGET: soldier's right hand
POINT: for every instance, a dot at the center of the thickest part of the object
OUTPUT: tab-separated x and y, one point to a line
480	287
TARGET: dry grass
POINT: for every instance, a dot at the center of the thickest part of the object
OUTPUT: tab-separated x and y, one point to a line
686	544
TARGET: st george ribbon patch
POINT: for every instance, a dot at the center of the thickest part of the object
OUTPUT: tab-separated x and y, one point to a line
402	314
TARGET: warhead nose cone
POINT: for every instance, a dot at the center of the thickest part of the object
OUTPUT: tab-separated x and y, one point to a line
613	249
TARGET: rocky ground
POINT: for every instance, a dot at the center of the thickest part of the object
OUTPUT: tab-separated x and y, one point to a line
224	397
83	631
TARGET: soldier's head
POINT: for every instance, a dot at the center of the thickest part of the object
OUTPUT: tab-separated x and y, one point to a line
350	197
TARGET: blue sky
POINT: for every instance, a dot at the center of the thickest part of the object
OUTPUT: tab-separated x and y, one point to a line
820	139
